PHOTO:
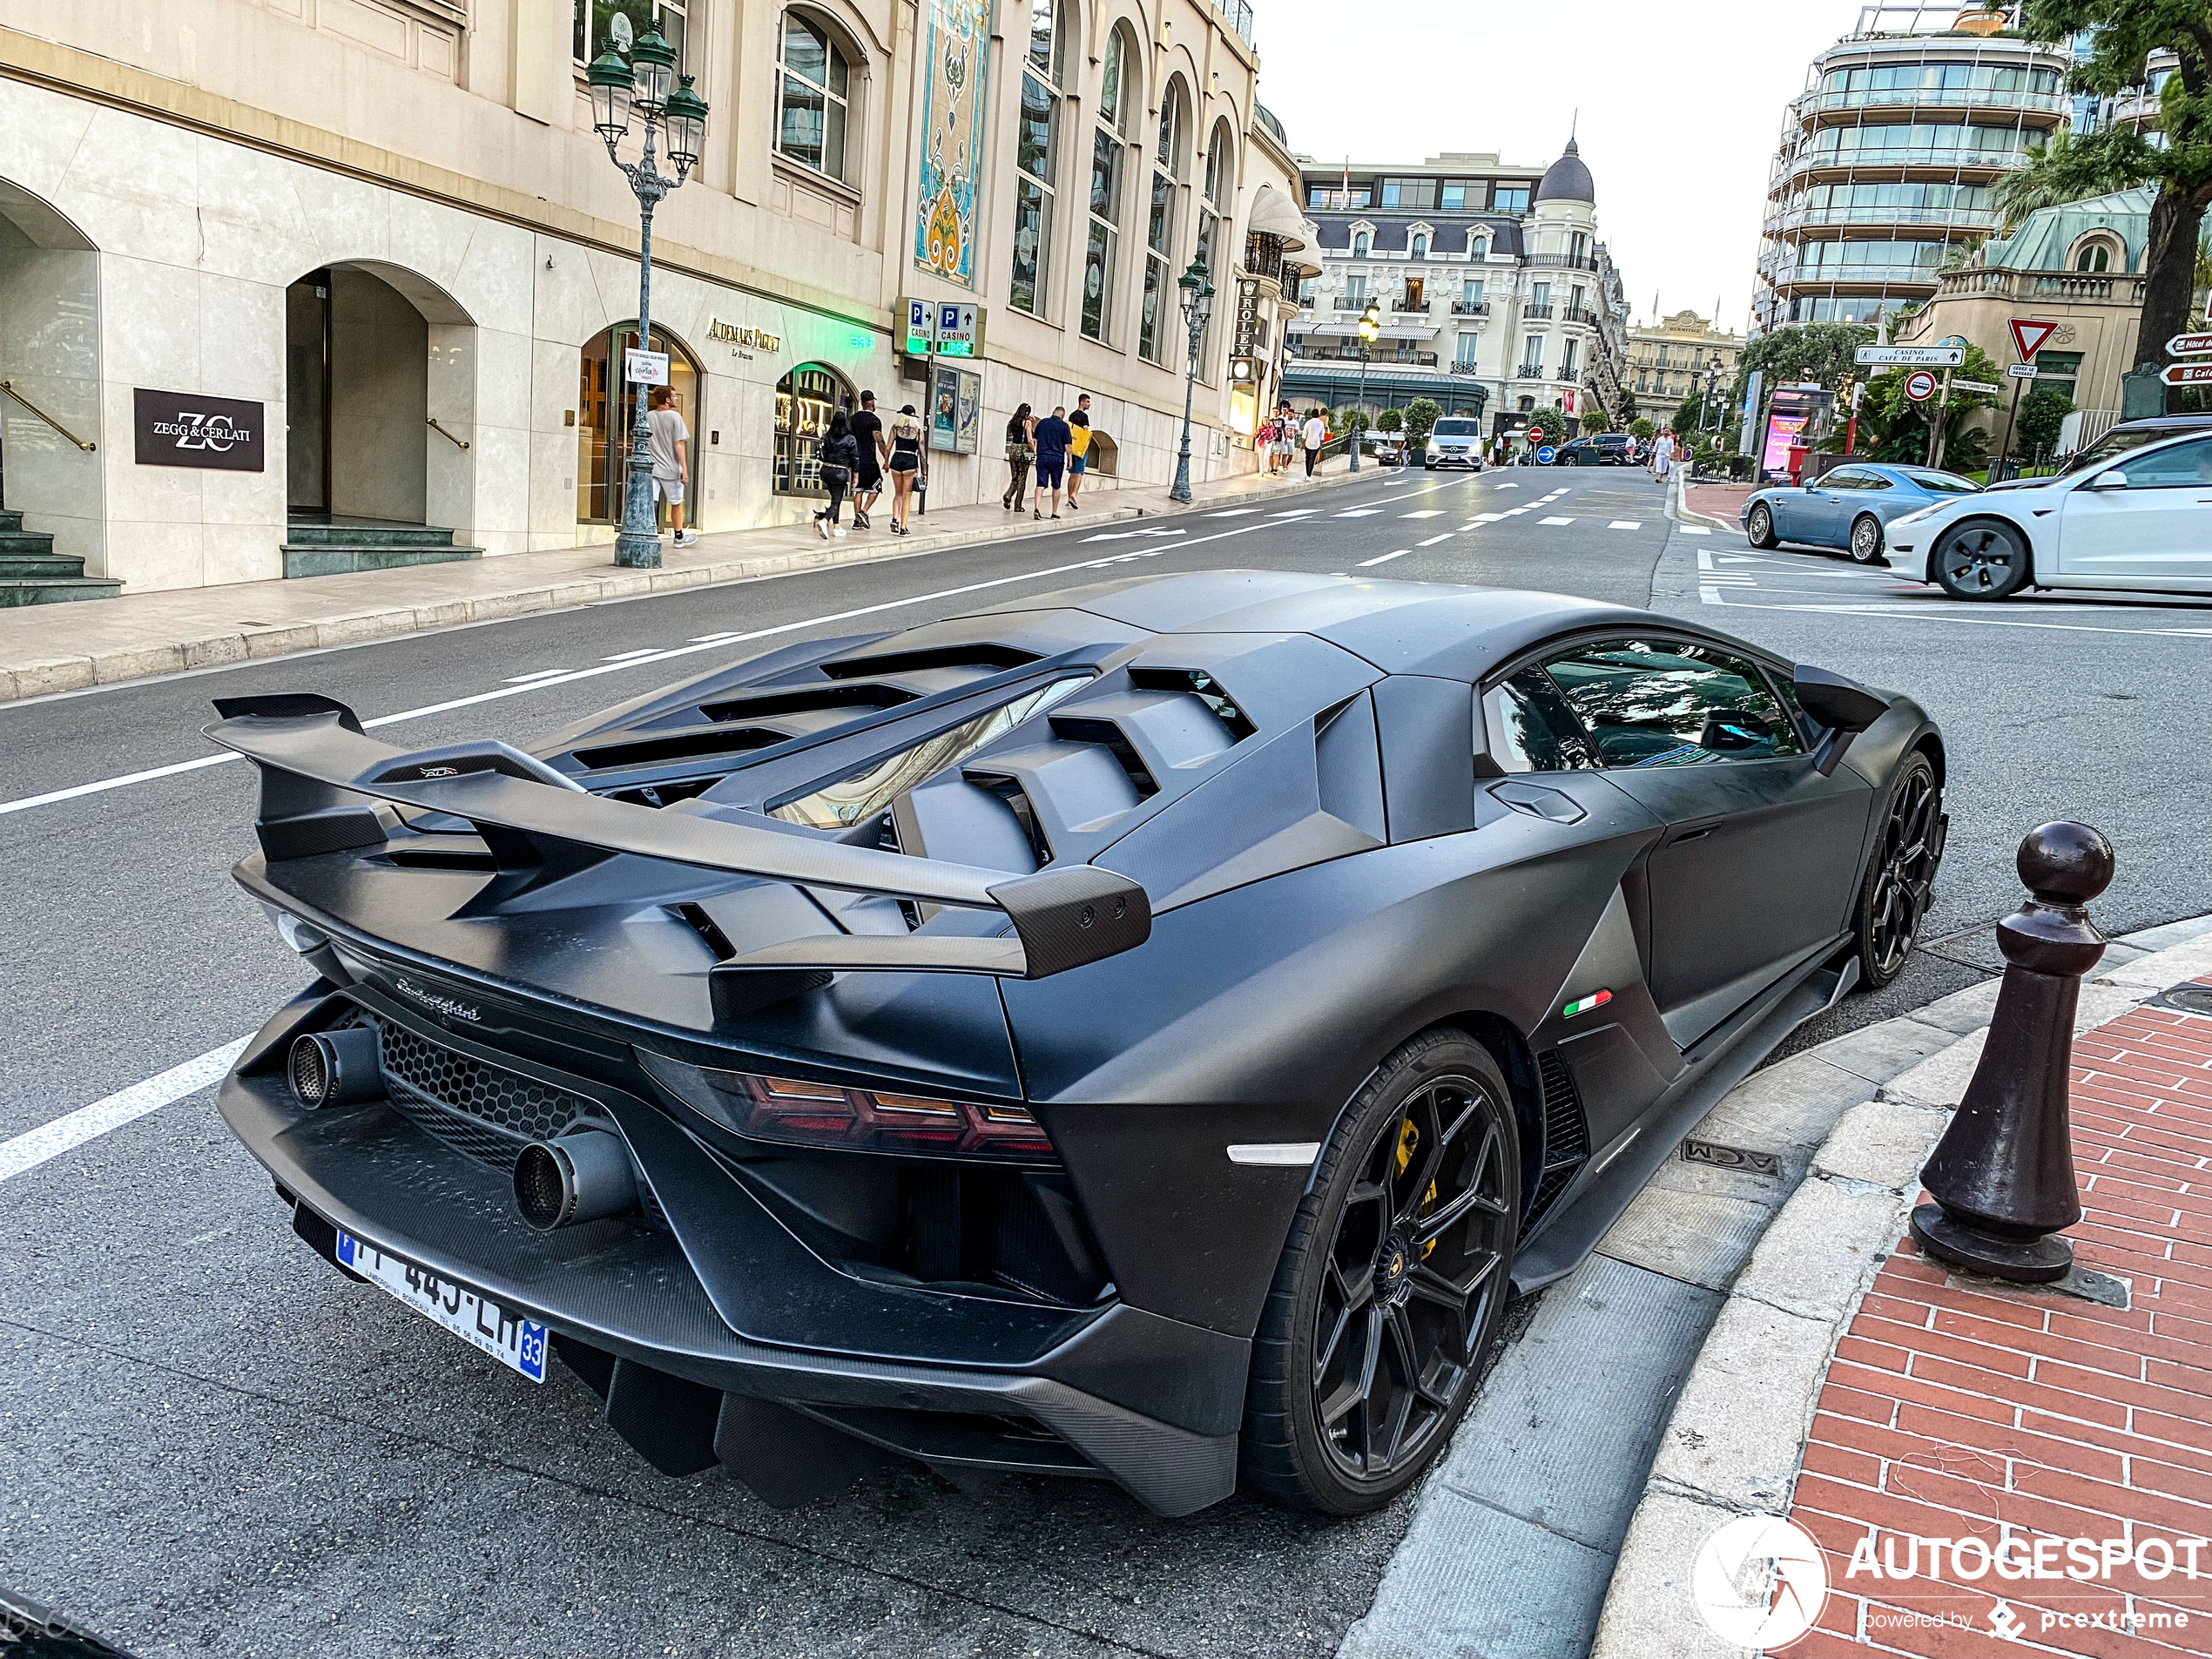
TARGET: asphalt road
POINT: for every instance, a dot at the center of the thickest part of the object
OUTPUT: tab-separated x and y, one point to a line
212	1443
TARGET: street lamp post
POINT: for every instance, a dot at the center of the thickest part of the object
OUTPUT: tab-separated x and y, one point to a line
1370	330
1712	385
618	90
1196	305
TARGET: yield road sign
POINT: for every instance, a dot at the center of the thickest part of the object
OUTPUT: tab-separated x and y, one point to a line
1916	356
2188	374
2028	336
2189	344
2022	371
1919	386
1976	386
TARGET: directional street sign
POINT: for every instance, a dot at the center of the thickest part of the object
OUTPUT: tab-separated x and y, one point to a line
2022	371
1976	386
1919	386
2028	336
2188	374
1916	356
959	329
2189	344
1545	453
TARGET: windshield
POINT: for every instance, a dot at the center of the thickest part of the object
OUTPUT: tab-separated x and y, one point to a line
2118	442
1944	483
1450	428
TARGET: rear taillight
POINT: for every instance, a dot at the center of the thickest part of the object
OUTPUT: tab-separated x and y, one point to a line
808	1114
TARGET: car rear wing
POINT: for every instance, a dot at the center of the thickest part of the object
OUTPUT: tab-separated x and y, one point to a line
325	783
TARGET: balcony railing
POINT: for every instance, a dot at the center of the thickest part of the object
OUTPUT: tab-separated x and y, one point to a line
1470	307
1564	261
1539	313
1853	275
1963	161
1529	372
1578	314
1968	218
2064	287
1351	355
1404	307
1239	17
1948	98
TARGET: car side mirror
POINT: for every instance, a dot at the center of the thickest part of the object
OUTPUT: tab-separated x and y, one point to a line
1844	707
2115	480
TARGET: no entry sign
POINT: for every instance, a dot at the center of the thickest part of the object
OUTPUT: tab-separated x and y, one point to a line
1920	387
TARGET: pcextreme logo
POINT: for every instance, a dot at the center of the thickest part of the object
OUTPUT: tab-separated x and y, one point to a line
1759	1581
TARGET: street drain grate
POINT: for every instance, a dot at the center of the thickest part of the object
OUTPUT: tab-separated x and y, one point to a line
2190	999
1731	1157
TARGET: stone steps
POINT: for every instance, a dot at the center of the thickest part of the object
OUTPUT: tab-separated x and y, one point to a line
31	573
341	549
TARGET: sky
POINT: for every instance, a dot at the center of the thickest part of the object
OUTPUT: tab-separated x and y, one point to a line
1680	109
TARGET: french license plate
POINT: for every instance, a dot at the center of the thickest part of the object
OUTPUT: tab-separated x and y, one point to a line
517	1343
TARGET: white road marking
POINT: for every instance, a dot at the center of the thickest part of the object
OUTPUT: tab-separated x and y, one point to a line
1303	512
1126	536
1234	512
541	674
1515	512
1386	559
1693	529
1433	540
1508	486
1899	614
1425	512
1360	512
1704	560
1484	518
712	639
33	1147
627	655
1555	520
1626	524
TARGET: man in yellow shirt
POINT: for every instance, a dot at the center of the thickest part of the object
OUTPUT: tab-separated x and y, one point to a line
1078	448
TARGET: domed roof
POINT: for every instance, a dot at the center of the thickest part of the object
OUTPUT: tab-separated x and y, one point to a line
1568	179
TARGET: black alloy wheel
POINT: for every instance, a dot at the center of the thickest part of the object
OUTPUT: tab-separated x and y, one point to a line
1759	528
1867	540
1981	559
1894	897
1391	1284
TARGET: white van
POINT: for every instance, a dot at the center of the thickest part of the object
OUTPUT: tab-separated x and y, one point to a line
1456	441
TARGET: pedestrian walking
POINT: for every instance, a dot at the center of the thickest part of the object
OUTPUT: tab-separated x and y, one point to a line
1053	437
868	477
1020	452
669	442
839	457
903	462
1316	435
1078	447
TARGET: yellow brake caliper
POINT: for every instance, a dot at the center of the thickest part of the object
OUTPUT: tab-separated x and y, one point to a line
1409	1136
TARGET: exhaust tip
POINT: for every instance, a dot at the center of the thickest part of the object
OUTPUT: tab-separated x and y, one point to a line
335	1068
585	1176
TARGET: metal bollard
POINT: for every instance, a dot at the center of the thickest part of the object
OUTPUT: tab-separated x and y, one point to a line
2002	1176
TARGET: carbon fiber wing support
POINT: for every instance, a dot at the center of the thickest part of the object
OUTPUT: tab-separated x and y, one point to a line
327	787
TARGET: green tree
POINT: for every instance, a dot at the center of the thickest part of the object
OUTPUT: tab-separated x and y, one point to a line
1595	420
2121	35
2041	412
1810	351
2057	170
1896	428
1389	421
1688	412
1642	430
1421	417
1350	418
1545	425
1624	409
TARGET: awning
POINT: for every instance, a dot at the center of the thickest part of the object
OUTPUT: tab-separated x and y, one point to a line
1277	215
1327	330
1407	331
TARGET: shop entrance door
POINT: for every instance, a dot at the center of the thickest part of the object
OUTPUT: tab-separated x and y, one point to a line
607	408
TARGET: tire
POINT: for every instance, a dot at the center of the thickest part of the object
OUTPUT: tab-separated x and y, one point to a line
1983	558
1867	540
1758	529
1430	1135
1900	872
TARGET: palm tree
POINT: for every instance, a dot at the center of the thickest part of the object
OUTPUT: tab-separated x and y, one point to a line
2057	170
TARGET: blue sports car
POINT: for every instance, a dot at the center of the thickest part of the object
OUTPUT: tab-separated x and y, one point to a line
1850	508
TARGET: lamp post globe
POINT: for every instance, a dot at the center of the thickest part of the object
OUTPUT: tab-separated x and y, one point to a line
1195	303
619	90
1370	330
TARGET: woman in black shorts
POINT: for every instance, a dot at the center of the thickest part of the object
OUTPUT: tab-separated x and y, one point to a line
1019	454
905	460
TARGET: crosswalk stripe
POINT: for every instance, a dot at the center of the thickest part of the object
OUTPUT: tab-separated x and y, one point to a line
1626	524
1386	559
1693	529
1433	540
1425	512
1554	521
1360	512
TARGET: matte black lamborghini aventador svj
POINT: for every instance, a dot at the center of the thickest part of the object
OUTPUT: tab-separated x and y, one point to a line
1144	1032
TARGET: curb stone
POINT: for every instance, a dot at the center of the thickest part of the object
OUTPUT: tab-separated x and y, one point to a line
1738	1432
1614	1472
76	673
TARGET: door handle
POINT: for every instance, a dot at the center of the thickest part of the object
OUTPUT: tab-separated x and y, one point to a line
1692	835
1539	802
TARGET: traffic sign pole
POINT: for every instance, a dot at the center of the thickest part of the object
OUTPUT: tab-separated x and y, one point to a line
1997	470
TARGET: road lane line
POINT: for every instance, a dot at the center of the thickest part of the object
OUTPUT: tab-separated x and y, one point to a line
1894	615
538	674
1693	529
1626	524
1425	512
1386	559
1556	520
1433	540
33	1147
711	643
1360	512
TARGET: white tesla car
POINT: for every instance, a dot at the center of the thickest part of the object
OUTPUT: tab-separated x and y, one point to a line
2142	521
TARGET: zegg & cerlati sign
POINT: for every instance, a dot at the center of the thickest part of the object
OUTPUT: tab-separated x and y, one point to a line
191	429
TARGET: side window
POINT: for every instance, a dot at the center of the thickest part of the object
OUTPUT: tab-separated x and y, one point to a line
1531	728
2184	466
1648	703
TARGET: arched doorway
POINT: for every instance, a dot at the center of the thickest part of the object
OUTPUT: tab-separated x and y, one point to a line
805	398
607	409
51	444
380	406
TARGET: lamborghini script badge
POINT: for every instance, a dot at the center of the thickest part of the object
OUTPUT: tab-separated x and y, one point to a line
431	1000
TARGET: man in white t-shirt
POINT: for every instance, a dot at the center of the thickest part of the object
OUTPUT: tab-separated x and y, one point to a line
1316	435
670	441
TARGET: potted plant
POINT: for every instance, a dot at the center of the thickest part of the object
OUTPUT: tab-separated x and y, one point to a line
1421	417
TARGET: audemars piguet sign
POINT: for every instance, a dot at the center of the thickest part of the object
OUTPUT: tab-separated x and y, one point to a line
188	429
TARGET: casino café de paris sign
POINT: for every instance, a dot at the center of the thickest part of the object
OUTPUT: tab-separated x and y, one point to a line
743	341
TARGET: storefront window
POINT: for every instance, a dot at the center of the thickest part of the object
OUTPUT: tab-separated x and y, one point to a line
607	408
806	399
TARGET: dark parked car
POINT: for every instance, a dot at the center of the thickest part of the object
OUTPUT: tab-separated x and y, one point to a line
1850	508
1595	449
1143	1032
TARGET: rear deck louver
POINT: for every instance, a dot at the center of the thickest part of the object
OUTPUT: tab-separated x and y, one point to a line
1202	686
981	659
1111	737
860	698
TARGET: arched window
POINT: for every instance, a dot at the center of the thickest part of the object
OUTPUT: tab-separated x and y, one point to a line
812	83
1036	156
1159	225
1420	247
1117	97
805	398
1359	245
2095	257
1480	250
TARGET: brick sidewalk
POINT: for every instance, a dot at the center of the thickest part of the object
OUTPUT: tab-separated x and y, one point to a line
1964	1411
1721	502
